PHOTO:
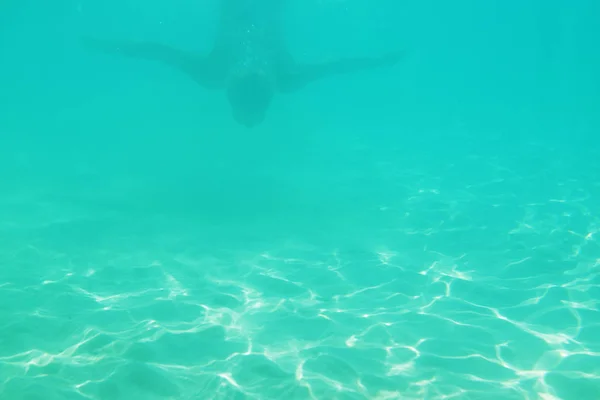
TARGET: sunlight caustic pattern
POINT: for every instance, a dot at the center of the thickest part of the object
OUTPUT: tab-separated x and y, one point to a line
488	289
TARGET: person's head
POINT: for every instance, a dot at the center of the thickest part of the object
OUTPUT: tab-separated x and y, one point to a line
250	96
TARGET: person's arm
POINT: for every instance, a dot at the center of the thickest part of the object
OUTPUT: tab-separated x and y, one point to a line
197	67
303	75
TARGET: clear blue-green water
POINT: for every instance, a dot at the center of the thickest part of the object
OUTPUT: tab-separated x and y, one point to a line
426	231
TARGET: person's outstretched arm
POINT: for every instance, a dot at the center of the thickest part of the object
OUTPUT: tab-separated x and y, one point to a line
197	67
303	75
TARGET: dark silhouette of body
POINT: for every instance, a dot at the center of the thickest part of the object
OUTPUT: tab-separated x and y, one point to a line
249	59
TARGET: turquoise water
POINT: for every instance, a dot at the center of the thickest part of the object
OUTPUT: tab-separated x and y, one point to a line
427	231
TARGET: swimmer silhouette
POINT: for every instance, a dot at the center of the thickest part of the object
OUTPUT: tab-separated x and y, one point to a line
249	59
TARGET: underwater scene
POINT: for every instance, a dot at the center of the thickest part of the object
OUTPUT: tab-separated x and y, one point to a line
299	199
